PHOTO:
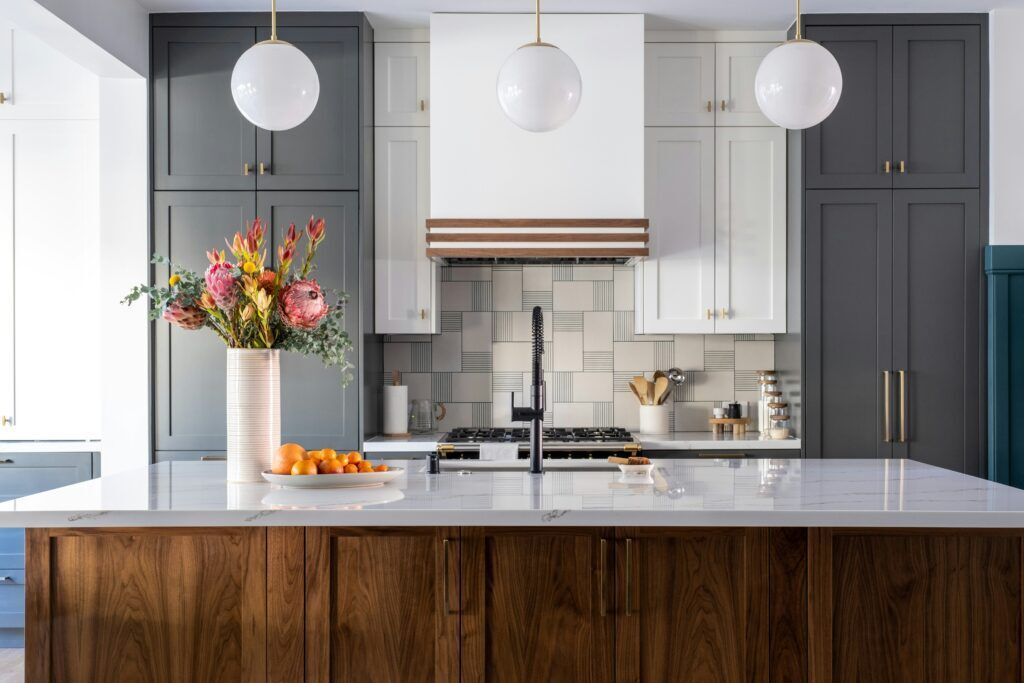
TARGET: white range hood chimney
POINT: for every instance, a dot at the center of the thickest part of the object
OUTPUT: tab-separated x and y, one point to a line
499	192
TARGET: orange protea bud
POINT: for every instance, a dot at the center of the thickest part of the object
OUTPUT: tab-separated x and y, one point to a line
215	256
315	229
267	279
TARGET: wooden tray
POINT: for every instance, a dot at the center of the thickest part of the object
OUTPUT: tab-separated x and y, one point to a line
738	424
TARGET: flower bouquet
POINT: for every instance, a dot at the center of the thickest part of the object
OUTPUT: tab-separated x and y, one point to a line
256	311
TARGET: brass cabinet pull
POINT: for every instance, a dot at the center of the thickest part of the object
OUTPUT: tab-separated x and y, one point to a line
245	168
601	571
423	314
263	168
903	406
3	98
723	105
711	107
6	461
903	166
886	408
6	420
725	313
423	105
709	314
444	577
629	587
887	166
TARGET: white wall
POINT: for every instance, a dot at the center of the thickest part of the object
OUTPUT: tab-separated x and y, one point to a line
1006	113
482	165
121	27
124	257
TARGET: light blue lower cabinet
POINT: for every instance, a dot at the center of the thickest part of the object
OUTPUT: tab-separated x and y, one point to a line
22	474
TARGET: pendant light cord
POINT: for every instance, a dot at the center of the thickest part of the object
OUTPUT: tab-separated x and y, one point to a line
273	19
537	21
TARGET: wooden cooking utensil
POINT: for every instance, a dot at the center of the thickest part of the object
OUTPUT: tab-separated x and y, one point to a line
645	389
660	390
636	392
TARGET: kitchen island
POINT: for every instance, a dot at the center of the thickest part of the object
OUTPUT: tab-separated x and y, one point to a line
756	569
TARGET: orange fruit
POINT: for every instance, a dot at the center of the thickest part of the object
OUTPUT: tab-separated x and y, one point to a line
365	466
343	458
380	468
330	466
316	456
328	453
354	456
286	456
351	469
304	467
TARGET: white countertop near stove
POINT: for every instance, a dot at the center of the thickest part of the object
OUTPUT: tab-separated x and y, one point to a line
50	446
681	441
693	492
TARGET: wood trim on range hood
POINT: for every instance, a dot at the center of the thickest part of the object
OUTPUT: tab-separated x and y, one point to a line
537	240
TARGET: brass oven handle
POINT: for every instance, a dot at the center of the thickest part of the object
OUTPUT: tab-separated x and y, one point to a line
633	448
444	578
629	582
902	407
601	571
886	408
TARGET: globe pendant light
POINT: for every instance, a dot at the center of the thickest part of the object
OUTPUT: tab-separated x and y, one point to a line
539	86
798	83
274	84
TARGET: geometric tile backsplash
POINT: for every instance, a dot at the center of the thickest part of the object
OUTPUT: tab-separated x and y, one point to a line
482	356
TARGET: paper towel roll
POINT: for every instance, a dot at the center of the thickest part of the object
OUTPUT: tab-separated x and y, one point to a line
396	409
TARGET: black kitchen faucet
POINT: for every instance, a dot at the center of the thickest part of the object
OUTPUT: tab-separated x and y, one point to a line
535	413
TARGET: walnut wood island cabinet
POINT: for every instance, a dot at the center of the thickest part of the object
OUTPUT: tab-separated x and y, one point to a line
551	594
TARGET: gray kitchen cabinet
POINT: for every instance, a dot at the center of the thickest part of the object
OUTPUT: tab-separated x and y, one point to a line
910	113
200	140
175	456
189	367
938	316
315	409
847	322
322	153
22	474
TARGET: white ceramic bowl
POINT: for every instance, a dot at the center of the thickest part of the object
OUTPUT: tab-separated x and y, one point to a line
637	470
333	481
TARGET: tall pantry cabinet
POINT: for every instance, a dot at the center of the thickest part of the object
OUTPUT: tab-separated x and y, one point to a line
894	227
213	172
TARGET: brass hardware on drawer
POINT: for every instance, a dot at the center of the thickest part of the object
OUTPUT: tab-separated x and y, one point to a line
632	447
601	571
245	168
714	454
903	406
6	461
709	314
903	167
7	579
444	578
6	420
263	168
725	313
3	98
711	107
887	166
445	448
213	458
886	408
723	105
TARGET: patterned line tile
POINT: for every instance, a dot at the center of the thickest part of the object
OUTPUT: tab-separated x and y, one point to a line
664	354
719	360
561	273
604	415
743	337
620	381
543	299
604	295
503	326
451	321
446	274
441	386
563	321
480	296
597	361
481	414
561	387
507	381
622	326
476	361
421	354
746	380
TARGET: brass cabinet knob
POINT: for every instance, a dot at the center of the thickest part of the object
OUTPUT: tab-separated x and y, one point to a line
887	166
423	105
245	168
725	313
710	106
4	98
423	314
5	421
903	166
263	168
723	105
709	314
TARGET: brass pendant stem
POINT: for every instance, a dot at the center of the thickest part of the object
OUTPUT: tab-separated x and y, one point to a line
798	34
537	20
273	20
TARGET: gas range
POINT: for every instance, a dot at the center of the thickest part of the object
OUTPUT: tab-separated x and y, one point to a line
559	442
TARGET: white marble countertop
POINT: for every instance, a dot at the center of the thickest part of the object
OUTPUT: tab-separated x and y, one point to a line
50	446
680	441
705	492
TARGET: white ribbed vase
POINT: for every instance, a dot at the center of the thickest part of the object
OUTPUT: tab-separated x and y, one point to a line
254	411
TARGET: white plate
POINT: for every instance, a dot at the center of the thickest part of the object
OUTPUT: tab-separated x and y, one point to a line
637	470
333	481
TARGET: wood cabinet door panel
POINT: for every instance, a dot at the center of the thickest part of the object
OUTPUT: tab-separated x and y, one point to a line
322	152
694	606
200	139
850	147
532	606
915	605
375	605
159	605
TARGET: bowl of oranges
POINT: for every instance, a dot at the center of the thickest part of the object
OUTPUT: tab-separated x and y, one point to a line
295	467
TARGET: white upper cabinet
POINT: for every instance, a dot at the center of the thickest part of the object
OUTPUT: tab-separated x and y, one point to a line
406	280
750	229
679	84
401	84
735	69
676	284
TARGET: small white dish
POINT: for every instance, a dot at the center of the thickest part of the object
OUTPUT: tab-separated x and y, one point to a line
637	470
333	481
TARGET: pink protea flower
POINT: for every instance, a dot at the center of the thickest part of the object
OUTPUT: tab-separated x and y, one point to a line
220	283
185	317
302	305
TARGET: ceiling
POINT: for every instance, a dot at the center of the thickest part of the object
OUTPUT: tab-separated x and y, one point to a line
663	14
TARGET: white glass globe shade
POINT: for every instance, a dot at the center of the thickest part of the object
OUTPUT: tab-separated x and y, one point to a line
539	87
275	86
798	84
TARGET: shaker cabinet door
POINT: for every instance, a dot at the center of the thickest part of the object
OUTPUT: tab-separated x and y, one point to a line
849	148
675	286
191	366
679	84
736	67
936	112
200	139
315	408
750	230
938	304
848	314
322	152
401	84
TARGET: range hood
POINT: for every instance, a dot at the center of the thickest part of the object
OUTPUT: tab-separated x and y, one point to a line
482	241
